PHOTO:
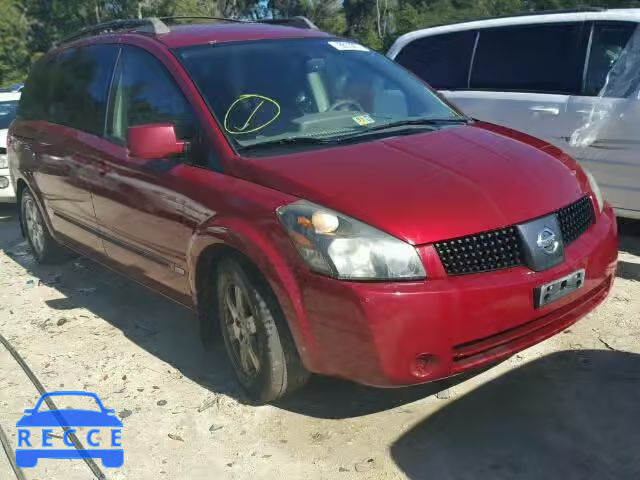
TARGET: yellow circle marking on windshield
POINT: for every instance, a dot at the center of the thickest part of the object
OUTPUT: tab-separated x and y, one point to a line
244	129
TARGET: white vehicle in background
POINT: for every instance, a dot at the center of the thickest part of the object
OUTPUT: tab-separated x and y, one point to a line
8	107
571	78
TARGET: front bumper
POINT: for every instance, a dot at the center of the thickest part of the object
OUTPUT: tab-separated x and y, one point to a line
388	334
7	194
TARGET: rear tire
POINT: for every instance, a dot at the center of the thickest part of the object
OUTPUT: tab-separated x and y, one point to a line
44	248
256	335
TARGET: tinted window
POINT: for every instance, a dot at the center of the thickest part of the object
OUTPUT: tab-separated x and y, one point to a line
546	58
145	93
79	80
34	102
442	61
608	44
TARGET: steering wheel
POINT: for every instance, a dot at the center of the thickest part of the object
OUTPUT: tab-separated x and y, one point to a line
346	103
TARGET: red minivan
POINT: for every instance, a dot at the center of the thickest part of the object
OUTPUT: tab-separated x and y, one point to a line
315	202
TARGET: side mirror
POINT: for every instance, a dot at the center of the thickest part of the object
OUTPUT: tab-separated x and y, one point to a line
154	141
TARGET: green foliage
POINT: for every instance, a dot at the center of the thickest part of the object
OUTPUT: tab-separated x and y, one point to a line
14	51
30	27
328	15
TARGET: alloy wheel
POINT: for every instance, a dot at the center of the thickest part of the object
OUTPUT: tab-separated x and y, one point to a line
34	226
243	339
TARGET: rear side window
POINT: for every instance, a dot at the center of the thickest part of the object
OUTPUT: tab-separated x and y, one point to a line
442	60
610	39
546	58
79	82
145	93
34	102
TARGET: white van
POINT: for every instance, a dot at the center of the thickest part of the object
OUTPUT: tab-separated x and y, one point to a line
8	107
571	78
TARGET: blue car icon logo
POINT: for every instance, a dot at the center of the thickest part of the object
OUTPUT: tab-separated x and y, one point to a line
28	452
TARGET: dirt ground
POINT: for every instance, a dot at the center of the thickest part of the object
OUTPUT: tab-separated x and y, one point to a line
568	408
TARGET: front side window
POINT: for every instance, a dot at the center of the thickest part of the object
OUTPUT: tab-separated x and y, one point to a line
144	93
443	61
306	89
545	58
610	40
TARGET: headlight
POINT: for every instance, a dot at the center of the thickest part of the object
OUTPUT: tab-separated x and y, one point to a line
595	189
339	246
4	162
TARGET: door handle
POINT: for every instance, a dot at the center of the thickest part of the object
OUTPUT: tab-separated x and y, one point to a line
543	109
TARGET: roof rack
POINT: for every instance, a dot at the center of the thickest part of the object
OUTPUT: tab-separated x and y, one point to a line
158	26
556	11
150	25
172	20
298	22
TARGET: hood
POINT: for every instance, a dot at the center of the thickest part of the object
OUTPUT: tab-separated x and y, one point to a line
430	186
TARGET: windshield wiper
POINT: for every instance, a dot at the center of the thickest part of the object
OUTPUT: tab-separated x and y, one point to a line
287	141
429	123
410	122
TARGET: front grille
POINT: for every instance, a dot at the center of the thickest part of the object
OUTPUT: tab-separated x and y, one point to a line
482	252
502	248
575	219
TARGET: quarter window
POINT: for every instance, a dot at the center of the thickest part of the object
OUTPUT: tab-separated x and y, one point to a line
145	93
546	58
442	61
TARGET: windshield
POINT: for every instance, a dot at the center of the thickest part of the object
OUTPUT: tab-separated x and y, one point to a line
7	113
324	89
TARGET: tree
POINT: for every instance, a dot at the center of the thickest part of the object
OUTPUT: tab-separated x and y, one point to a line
31	27
14	51
328	15
370	21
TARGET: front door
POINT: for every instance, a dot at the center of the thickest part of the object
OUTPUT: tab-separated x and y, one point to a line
140	203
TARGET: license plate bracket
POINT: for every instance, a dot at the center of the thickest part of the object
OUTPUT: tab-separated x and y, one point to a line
552	291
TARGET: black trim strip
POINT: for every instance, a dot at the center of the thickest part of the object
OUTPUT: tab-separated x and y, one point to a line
587	59
116	241
473	59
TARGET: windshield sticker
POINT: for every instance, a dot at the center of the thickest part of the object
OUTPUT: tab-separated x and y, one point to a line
251	113
346	46
364	120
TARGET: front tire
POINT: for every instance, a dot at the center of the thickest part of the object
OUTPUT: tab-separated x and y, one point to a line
45	249
256	335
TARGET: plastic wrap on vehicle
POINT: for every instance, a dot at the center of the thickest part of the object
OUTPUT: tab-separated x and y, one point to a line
617	106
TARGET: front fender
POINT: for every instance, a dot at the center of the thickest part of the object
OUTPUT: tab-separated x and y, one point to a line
268	247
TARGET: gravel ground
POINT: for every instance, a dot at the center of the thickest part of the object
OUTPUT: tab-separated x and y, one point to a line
567	408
